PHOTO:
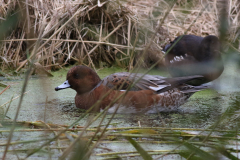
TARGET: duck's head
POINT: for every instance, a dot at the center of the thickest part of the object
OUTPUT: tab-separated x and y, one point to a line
209	49
80	78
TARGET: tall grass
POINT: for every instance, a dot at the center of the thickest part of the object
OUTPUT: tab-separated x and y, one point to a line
104	33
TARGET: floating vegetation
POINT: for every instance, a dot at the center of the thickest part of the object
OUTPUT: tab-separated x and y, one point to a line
43	36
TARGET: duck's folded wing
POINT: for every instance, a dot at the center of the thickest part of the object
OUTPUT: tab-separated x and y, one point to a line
124	80
193	89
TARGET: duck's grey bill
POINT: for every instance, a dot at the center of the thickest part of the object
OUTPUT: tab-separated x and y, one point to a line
63	86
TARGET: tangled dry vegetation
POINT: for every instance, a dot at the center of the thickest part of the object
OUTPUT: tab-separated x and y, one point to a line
99	33
102	33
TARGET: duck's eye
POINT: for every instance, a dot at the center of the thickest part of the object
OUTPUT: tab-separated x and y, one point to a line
76	75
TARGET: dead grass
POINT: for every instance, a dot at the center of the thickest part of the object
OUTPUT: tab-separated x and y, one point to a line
52	34
103	33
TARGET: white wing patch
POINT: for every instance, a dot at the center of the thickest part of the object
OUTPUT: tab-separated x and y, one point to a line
177	58
159	87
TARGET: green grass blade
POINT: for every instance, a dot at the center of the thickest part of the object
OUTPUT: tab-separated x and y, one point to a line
203	154
142	152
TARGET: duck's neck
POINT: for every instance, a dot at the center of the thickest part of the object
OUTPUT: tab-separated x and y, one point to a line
88	83
94	79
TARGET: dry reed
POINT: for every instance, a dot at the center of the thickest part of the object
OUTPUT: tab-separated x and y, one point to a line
103	33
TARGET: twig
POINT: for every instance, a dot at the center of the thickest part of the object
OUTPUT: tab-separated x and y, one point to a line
13	99
5	89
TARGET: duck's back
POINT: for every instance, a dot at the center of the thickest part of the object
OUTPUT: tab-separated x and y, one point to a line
188	44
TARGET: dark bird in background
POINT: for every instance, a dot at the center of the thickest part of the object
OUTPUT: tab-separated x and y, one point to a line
194	55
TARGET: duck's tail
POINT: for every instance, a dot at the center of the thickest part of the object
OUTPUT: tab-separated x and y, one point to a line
178	82
193	89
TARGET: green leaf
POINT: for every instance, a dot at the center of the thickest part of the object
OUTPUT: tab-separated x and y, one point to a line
8	25
188	155
140	150
226	153
203	154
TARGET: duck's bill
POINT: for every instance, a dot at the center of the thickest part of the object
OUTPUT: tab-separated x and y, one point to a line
63	86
